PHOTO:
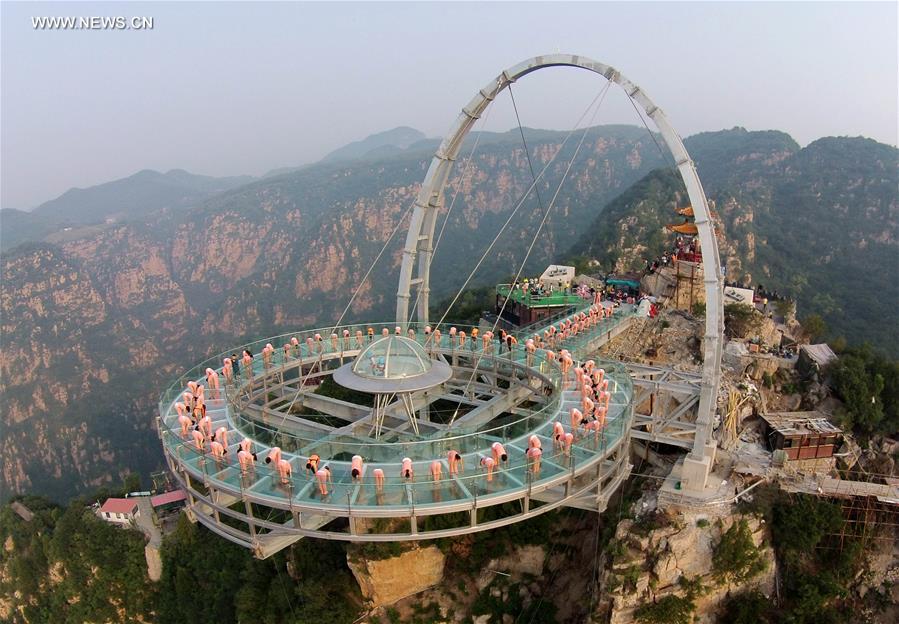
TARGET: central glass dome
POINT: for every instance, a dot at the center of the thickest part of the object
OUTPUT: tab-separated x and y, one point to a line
393	357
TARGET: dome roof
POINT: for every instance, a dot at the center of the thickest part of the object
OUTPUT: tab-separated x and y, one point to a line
392	357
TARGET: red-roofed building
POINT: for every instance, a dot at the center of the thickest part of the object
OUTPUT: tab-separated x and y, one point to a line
168	501
119	510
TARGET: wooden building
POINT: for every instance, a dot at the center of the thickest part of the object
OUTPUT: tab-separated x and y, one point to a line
801	435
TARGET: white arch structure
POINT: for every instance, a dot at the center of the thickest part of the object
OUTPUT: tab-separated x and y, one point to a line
420	238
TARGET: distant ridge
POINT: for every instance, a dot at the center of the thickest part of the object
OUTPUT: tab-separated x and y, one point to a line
134	197
145	191
382	143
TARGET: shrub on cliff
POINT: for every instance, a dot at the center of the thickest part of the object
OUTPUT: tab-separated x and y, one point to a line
668	610
735	558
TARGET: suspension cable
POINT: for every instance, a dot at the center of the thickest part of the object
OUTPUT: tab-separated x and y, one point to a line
527	255
527	152
515	210
553	200
645	125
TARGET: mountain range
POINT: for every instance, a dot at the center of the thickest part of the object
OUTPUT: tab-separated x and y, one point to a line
133	197
79	212
96	323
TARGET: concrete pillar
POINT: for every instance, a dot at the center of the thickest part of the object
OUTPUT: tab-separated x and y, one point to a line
695	473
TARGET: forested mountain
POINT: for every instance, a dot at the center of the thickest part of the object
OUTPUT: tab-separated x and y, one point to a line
820	224
133	197
95	326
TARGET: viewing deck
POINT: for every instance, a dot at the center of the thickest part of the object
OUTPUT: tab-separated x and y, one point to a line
548	300
508	396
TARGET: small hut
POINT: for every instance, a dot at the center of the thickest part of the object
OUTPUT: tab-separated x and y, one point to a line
801	435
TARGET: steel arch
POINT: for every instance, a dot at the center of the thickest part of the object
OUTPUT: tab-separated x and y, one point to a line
420	238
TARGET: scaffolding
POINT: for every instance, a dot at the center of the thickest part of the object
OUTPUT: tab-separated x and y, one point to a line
869	505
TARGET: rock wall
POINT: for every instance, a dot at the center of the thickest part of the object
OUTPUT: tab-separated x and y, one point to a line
384	581
524	561
514	582
649	565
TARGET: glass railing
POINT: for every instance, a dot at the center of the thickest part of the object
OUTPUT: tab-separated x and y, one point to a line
498	432
531	328
309	347
341	489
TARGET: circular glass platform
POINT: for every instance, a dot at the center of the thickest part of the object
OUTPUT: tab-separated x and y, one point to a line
486	393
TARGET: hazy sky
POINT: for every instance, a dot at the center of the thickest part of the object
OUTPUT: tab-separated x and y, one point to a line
239	88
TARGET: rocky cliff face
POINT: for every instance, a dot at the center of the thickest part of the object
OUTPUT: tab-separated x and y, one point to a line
384	581
94	328
677	559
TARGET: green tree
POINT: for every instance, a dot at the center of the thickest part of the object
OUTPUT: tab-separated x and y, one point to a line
201	575
735	558
131	482
800	526
741	320
816	574
668	610
868	385
838	344
784	307
749	607
814	327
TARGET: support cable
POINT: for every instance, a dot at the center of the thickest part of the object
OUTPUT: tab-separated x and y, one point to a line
524	142
645	125
515	210
284	589
546	214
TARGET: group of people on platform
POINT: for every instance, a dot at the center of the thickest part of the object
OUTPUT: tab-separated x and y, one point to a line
196	426
684	248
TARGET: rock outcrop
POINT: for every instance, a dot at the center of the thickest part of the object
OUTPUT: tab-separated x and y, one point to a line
676	558
385	581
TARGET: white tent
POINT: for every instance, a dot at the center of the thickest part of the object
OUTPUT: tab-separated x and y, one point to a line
556	276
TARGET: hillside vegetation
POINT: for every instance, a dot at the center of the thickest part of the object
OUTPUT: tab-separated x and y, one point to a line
818	224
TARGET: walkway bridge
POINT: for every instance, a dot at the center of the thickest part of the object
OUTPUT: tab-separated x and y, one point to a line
665	398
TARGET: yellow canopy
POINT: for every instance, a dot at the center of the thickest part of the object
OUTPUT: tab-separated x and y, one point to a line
683	228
